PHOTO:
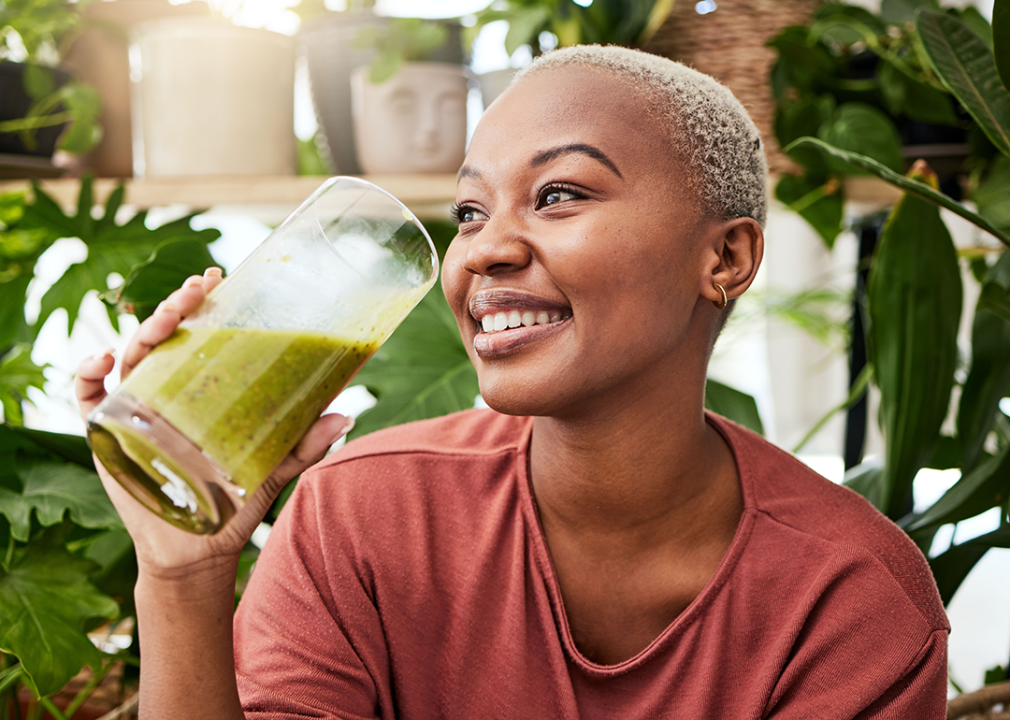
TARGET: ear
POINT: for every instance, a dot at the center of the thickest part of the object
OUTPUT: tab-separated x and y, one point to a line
737	249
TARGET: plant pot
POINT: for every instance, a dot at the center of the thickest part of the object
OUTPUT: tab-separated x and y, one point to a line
326	42
211	98
14	104
414	122
494	83
100	57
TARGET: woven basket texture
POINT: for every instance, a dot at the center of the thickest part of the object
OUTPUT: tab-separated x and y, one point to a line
729	45
990	703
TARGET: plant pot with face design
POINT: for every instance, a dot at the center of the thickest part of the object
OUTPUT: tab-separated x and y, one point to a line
414	122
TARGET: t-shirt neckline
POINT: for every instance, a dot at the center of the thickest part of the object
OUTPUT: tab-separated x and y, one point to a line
681	622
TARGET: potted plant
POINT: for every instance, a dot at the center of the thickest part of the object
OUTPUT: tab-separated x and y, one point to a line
41	107
409	112
914	306
566	22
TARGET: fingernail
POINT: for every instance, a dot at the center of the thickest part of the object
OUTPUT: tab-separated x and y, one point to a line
213	272
193	281
166	306
348	426
104	354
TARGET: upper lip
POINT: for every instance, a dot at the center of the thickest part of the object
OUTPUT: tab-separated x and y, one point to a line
488	302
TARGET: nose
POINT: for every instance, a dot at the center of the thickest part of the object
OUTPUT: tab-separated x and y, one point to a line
499	247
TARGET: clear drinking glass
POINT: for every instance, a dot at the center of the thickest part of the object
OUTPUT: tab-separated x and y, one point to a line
210	413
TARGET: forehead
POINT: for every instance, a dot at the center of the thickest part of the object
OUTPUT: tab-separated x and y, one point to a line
573	104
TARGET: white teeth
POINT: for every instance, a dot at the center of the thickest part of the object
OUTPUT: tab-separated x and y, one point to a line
514	318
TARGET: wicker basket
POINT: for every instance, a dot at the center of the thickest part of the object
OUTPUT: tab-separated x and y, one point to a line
990	703
729	45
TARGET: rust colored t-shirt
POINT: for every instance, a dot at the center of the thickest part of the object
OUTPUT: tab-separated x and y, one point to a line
408	577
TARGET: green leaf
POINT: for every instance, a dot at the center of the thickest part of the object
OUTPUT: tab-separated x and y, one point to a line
899	12
983	488
1001	39
919	189
952	567
989	376
53	489
111	248
966	66
906	95
45	600
525	25
865	479
860	128
994	298
733	404
914	305
17	374
992	197
822	204
422	371
155	279
38	81
48	445
803	61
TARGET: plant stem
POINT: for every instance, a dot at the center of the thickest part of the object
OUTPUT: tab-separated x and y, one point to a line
10	553
9	677
85	692
49	705
22	124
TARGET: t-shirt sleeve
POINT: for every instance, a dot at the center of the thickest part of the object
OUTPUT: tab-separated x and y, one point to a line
308	637
921	692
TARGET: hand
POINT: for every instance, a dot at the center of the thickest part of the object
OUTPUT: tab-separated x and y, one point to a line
163	550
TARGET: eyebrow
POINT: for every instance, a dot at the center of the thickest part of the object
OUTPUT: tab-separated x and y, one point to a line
546	156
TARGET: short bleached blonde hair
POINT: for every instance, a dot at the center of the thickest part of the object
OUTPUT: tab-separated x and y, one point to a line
707	126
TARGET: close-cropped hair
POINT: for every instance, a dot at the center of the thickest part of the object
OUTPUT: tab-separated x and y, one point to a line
708	128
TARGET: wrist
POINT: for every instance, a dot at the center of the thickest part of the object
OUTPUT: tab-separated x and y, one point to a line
200	583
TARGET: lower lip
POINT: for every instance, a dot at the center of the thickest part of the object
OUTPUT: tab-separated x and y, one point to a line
490	346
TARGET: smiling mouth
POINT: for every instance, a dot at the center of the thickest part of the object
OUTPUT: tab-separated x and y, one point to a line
496	322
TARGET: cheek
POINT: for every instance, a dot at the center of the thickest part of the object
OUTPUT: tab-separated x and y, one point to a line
455	279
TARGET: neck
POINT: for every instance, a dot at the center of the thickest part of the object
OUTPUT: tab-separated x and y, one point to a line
641	467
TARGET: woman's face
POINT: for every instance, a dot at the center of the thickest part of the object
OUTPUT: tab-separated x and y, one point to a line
577	270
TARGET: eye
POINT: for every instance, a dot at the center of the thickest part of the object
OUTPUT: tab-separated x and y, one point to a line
556	193
462	214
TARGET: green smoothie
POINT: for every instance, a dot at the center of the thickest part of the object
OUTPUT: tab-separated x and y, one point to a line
245	396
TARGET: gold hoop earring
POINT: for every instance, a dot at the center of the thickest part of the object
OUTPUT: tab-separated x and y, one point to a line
721	305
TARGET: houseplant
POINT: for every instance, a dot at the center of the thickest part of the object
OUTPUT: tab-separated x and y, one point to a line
42	106
67	563
409	112
913	308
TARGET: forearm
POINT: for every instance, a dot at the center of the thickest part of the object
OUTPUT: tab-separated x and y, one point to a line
185	629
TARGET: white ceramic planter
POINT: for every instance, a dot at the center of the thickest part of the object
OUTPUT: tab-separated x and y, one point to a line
494	83
414	122
210	98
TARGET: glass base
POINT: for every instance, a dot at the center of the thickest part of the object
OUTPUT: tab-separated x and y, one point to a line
166	471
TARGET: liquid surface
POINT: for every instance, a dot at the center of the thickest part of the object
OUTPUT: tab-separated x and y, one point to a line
245	396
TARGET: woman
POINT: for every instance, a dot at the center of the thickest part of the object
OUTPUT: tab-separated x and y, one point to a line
599	547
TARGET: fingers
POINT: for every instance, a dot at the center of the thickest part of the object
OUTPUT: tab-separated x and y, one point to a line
167	316
89	385
326	431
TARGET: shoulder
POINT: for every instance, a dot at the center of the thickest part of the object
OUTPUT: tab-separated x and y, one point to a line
447	464
470	433
833	531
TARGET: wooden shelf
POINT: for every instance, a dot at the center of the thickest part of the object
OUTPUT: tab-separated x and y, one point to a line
428	196
272	198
